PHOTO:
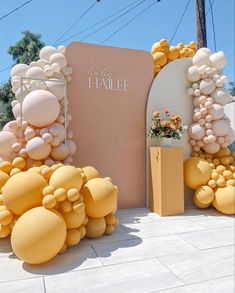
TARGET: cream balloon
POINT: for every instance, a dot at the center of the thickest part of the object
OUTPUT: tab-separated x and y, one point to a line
35	72
46	52
40	108
37	149
19	70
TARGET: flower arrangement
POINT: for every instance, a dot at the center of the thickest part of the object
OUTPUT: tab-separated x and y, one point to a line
170	126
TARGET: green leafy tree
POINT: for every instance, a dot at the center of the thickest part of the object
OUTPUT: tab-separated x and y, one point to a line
232	88
24	51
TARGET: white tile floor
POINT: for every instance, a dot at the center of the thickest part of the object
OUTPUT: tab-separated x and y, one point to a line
191	253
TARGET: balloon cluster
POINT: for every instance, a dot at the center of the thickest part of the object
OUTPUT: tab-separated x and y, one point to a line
163	53
40	96
214	182
210	129
47	209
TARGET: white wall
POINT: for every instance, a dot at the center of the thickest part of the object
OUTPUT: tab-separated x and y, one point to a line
169	91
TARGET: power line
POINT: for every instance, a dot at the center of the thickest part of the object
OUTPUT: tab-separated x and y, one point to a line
108	23
99	22
213	24
137	15
6	68
76	21
17	8
208	10
181	18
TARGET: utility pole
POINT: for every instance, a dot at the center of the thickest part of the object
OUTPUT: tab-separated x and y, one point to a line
201	24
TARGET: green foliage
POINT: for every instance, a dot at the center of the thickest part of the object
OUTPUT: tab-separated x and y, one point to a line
171	126
232	89
25	51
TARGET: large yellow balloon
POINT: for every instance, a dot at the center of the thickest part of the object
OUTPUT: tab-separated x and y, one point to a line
23	191
66	177
95	227
224	200
100	197
197	172
38	235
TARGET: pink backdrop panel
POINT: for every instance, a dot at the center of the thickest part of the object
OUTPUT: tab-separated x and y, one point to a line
107	99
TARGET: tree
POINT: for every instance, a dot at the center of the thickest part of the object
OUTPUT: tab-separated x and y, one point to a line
232	89
25	51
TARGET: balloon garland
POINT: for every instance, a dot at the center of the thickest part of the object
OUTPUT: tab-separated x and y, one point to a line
211	170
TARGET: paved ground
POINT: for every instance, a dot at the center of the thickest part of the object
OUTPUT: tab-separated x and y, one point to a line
147	253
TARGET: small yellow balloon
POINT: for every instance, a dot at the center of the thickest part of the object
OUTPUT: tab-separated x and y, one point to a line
95	227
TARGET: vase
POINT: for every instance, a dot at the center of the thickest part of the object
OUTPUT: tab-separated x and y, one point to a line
154	142
166	142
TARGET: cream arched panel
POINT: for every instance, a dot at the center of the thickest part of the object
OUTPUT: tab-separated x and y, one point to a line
169	90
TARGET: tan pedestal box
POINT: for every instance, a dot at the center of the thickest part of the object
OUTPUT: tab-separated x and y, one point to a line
167	197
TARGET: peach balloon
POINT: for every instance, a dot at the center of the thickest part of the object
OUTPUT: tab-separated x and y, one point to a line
37	149
202	99
211	148
72	147
7	139
220	127
40	108
58	130
60	152
196	131
216	111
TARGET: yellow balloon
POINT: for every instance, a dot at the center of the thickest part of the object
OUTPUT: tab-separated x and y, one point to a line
23	191
5	230
197	172
19	163
173	53
6	167
160	58
38	235
90	173
223	152
204	194
3	178
100	197
224	200
74	219
95	227
66	177
73	237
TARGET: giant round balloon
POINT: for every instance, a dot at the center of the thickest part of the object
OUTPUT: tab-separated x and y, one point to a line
23	191
38	235
40	108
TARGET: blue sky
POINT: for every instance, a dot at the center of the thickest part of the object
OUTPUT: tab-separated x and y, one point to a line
51	18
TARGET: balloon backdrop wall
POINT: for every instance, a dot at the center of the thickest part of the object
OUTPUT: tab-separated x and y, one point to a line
41	96
46	205
211	170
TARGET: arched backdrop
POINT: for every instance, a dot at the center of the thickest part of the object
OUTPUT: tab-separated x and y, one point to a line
169	91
